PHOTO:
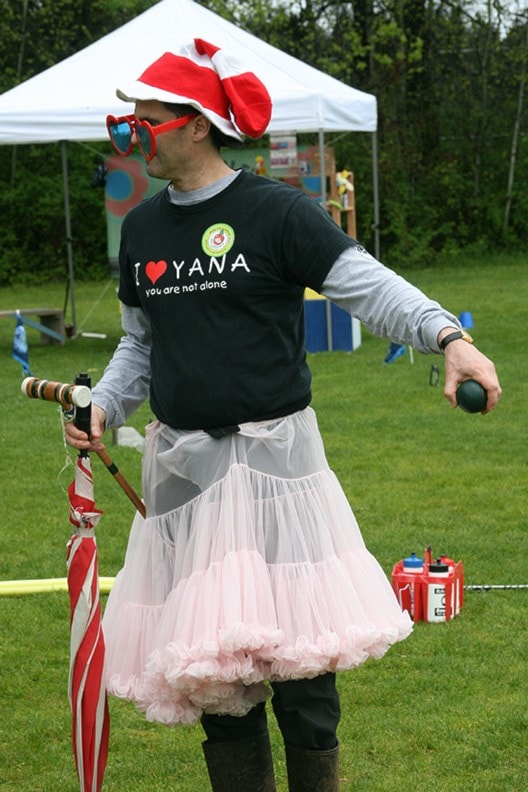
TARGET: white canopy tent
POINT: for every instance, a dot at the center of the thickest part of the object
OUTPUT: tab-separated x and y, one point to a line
70	101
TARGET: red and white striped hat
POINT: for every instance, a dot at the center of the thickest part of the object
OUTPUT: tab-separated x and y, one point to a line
205	77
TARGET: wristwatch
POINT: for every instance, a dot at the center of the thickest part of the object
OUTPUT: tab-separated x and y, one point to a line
455	336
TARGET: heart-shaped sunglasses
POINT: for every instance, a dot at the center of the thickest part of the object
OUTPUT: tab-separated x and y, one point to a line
120	131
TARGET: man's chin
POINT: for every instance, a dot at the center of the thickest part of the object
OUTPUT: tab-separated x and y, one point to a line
153	170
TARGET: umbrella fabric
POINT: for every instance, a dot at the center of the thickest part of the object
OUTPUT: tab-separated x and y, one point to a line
87	691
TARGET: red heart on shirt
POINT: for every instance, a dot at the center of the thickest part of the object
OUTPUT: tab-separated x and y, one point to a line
155	270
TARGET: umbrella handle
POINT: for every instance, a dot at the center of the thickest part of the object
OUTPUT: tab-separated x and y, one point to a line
83	415
121	480
82	421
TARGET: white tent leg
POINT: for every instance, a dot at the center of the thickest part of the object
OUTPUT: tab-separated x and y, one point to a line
322	172
69	240
375	186
322	167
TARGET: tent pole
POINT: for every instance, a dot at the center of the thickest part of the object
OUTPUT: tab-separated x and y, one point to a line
69	240
322	172
376	195
322	167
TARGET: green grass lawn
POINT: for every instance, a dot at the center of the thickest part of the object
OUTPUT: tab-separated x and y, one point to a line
444	710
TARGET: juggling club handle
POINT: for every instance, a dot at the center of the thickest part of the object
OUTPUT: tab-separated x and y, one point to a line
62	392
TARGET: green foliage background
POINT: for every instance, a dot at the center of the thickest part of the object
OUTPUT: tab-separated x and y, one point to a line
449	78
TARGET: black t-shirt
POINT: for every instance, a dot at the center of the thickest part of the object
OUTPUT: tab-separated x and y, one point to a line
222	282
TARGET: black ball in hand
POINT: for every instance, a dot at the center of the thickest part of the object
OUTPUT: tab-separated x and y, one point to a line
471	396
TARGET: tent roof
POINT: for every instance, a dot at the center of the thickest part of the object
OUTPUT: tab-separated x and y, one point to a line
70	100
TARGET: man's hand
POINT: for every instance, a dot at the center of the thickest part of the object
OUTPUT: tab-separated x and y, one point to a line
464	361
78	439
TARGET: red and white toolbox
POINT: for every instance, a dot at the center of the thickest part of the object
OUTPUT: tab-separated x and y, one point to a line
429	590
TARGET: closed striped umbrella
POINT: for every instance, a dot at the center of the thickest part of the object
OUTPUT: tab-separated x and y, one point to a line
87	691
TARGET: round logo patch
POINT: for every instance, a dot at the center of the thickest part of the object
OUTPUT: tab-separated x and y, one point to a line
218	239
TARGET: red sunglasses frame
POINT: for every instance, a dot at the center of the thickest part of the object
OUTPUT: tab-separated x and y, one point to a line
152	131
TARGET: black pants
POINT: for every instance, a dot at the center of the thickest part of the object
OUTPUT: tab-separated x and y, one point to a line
307	712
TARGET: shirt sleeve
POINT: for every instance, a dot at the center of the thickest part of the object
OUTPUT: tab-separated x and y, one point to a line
125	383
387	304
312	241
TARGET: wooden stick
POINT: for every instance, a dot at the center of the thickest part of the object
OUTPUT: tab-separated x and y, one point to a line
121	480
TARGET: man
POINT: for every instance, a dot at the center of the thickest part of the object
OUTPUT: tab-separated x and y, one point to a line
250	571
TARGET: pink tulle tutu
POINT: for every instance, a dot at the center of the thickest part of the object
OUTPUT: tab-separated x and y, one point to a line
249	567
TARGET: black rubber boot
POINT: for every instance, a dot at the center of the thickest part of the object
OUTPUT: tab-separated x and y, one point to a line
240	765
312	771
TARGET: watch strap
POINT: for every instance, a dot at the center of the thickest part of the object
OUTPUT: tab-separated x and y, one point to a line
455	336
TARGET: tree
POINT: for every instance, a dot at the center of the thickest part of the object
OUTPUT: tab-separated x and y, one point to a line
449	77
32	243
516	130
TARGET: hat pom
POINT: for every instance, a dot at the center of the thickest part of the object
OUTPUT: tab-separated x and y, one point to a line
249	100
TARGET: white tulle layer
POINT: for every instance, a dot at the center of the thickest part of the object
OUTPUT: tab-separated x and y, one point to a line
240	574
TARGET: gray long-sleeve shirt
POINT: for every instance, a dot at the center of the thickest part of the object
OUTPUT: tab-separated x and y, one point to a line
384	302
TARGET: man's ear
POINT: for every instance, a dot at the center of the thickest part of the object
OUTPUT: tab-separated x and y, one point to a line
201	129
